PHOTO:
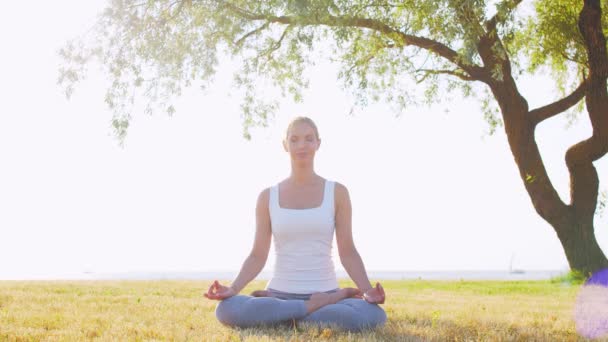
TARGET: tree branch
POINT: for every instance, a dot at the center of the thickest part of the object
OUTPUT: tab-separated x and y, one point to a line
498	18
177	11
360	62
476	72
456	73
134	5
275	45
542	113
248	34
376	4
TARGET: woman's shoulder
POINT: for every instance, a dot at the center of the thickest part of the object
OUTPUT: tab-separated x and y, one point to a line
264	196
341	196
337	184
340	190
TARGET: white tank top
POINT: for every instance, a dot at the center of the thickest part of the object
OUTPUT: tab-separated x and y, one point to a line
303	243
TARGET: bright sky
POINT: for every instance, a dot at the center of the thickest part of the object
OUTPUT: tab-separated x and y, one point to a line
430	190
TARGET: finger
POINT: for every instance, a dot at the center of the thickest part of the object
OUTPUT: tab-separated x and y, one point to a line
217	296
210	289
221	296
374	296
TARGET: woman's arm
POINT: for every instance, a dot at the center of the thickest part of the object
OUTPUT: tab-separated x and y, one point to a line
349	256
259	253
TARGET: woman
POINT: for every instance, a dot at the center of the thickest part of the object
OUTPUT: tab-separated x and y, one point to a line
301	213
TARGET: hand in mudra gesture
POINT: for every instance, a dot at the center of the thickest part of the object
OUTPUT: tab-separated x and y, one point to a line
375	295
218	291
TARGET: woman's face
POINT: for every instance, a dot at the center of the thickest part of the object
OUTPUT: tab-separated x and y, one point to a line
301	142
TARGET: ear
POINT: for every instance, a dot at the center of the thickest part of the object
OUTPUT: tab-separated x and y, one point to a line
318	144
285	145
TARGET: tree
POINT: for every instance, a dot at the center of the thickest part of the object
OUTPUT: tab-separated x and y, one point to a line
158	47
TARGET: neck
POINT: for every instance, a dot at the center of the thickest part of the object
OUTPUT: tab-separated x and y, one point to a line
303	174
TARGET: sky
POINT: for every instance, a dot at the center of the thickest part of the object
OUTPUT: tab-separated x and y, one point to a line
430	189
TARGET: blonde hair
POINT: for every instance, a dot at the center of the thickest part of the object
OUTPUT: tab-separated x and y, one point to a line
304	119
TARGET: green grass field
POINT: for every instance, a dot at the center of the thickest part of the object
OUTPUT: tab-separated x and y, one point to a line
176	310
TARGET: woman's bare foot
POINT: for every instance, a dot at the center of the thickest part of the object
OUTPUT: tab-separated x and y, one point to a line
319	300
260	293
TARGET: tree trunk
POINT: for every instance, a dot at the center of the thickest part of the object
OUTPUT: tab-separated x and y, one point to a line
582	251
573	223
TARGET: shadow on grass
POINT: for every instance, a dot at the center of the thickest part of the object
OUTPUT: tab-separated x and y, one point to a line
301	331
413	329
438	329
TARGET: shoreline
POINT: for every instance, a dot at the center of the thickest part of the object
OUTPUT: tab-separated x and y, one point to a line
490	275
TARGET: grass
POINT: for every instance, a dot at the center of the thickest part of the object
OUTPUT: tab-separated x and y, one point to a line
572	277
176	310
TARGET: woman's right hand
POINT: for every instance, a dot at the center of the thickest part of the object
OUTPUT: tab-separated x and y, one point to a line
375	295
219	292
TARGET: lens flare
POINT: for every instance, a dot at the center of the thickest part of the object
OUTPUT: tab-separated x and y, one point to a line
591	308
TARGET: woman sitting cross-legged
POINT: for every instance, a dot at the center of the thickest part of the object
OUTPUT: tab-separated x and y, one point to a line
302	213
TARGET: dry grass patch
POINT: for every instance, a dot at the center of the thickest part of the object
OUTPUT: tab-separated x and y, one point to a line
176	311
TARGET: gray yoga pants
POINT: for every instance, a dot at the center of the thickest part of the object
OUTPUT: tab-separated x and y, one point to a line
350	314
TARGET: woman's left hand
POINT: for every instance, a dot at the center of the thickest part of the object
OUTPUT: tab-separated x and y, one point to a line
375	295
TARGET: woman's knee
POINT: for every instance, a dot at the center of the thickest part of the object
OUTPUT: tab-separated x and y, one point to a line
367	315
227	311
377	315
352	315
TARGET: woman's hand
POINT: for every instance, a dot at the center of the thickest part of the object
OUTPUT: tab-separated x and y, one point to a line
219	292
375	295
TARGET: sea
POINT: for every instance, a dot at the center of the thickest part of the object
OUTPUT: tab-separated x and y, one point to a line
504	275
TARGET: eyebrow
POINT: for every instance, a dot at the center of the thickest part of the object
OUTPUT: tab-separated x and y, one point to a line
306	136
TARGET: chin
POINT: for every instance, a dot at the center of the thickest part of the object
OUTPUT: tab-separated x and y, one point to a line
303	161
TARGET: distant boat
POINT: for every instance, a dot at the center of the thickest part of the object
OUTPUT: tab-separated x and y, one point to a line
514	270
